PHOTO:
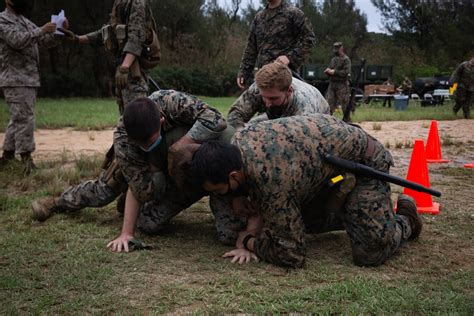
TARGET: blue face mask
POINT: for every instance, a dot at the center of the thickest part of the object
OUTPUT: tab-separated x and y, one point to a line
153	146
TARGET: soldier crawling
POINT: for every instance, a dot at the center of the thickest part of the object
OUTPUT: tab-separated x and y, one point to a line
279	165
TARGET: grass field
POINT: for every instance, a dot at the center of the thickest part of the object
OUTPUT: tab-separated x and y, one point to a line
62	266
96	114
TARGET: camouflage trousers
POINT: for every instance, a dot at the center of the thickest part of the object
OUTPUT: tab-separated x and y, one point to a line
154	215
19	136
136	88
338	93
375	231
464	99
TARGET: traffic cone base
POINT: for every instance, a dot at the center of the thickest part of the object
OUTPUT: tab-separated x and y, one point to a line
430	210
437	160
469	165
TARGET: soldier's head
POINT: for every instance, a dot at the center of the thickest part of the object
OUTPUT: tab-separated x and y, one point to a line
274	84
338	49
142	121
217	168
18	6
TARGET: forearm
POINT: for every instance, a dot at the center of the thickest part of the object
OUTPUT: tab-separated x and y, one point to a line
132	208
128	60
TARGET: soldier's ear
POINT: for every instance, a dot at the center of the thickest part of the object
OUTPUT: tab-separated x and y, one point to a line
290	90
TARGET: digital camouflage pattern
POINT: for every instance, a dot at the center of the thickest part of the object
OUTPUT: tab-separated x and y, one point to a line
19	135
464	95
306	100
19	77
283	30
136	14
285	170
161	198
19	54
338	91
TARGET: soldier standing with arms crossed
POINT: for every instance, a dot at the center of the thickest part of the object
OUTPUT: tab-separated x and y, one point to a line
280	32
19	78
339	70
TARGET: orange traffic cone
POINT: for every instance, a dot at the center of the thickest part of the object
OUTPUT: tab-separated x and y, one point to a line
433	147
469	165
418	172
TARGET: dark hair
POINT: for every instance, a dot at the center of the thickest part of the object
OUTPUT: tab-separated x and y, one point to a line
141	119
213	162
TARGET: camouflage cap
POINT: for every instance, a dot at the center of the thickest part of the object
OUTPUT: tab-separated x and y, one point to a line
337	44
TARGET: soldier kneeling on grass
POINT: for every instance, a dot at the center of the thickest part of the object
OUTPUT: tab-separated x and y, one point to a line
279	166
149	135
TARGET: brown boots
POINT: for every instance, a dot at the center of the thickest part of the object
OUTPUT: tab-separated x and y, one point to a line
7	157
406	206
45	208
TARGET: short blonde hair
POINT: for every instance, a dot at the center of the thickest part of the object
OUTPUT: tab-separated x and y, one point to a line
274	75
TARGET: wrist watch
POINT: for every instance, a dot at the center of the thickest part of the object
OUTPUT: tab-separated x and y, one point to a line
246	241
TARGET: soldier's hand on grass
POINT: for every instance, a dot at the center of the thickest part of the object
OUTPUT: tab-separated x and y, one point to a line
283	59
49	27
241	256
120	243
121	77
241	82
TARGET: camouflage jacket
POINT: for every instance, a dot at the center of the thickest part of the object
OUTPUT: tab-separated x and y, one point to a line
136	14
19	55
342	67
464	76
274	32
284	169
306	100
179	110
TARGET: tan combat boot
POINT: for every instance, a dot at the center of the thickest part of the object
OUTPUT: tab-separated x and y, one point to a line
45	208
406	206
29	165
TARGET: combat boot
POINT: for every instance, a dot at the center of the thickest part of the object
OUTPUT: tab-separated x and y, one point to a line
45	208
8	156
406	206
29	165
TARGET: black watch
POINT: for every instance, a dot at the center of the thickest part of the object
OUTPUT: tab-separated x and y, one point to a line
246	241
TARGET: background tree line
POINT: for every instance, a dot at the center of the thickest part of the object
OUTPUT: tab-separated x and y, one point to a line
202	41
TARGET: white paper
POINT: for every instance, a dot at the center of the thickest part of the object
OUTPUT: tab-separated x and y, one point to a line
59	20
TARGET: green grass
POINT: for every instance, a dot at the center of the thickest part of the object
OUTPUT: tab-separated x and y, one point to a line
62	266
96	114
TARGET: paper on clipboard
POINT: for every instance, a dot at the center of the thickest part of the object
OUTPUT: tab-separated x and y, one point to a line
59	20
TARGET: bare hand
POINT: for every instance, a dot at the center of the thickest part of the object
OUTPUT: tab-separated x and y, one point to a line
241	256
66	23
120	243
283	59
329	71
49	27
241	82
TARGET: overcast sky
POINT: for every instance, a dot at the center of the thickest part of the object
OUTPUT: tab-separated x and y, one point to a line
374	23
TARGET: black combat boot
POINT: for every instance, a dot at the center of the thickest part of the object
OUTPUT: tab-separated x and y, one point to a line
406	206
27	160
8	156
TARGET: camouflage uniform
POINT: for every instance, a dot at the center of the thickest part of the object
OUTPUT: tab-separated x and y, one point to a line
285	171
464	76
19	77
283	30
184	114
338	90
306	100
137	15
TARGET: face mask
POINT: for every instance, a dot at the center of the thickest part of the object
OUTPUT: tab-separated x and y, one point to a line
276	111
153	146
19	6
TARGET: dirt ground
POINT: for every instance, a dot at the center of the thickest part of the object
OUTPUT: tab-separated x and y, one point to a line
51	143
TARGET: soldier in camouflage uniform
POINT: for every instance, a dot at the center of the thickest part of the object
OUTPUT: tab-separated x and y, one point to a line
464	76
130	28
276	94
187	120
19	77
279	32
280	165
339	70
